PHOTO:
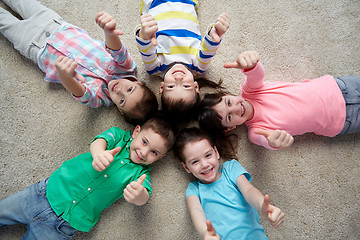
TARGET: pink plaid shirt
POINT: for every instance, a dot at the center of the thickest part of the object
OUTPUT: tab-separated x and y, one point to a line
96	63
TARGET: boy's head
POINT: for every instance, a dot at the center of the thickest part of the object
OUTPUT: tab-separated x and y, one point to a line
198	155
133	99
152	140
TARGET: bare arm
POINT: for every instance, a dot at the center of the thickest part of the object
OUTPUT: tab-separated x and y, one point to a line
197	215
256	199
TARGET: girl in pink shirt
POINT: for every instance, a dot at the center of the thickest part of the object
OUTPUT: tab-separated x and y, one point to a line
276	111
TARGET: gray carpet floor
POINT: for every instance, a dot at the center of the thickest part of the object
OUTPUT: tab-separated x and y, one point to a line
315	182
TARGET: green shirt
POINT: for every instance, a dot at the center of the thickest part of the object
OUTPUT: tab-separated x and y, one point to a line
79	193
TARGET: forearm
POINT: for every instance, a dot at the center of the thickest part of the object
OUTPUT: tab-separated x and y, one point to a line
98	146
254	197
73	86
113	41
197	215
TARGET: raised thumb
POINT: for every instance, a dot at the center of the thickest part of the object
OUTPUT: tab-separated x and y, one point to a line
141	179
263	132
115	151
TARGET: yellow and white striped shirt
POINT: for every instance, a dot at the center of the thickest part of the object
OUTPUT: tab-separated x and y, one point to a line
178	37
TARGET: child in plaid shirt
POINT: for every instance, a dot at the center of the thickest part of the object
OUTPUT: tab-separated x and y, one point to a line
96	73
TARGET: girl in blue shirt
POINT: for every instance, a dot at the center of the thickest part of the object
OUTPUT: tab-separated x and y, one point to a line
222	203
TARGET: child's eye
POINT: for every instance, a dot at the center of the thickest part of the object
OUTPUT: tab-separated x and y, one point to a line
122	101
186	86
229	117
154	153
144	142
130	89
194	162
208	155
171	86
228	103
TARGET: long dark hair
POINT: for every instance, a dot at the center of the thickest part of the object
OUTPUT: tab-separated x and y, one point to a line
188	135
210	122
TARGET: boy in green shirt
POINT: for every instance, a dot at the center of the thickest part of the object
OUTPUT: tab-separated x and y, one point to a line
74	196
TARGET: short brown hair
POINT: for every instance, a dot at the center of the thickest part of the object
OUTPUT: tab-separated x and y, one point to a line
162	126
144	109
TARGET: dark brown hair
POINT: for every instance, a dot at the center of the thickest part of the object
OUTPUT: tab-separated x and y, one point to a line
210	122
160	124
188	135
144	109
184	112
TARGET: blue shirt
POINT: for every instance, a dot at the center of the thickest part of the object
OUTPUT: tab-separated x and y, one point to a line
225	206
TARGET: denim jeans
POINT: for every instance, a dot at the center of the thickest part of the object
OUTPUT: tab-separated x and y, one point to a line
350	88
31	207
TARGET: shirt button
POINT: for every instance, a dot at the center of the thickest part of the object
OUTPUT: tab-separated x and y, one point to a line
122	162
47	34
89	189
74	201
105	175
111	68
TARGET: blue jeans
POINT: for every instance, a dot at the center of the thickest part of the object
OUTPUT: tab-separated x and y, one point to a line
350	88
31	207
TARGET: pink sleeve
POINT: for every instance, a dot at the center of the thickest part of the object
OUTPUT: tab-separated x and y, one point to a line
254	78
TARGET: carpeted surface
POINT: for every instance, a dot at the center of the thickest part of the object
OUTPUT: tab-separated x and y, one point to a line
315	182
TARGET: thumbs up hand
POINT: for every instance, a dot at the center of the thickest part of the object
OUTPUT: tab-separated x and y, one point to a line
136	193
276	139
102	160
272	213
211	232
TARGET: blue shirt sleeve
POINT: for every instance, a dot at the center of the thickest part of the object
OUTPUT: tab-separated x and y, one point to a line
193	189
234	169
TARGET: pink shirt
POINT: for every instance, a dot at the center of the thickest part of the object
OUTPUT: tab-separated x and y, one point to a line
297	107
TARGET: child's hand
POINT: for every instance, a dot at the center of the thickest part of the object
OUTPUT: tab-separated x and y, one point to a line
102	160
272	213
107	23
222	24
65	68
135	192
245	60
149	28
276	139
211	232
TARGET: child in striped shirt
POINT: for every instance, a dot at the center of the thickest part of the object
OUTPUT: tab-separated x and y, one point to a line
171	46
96	73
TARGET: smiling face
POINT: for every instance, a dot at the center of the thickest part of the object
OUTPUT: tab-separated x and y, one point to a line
202	160
147	146
125	93
179	84
234	111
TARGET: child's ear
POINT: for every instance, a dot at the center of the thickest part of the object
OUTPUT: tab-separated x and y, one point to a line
186	168
197	87
161	88
136	131
217	153
120	111
229	129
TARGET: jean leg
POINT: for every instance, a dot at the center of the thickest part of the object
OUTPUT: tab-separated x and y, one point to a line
22	206
350	88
